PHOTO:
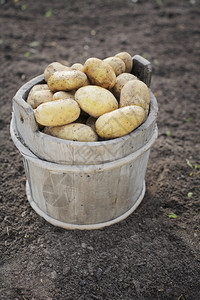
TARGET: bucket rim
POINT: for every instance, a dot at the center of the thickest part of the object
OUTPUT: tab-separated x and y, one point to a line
23	91
75	168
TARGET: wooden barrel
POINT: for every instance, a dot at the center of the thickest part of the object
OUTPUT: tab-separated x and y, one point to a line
82	185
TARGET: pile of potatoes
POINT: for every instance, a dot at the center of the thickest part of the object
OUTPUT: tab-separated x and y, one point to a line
98	100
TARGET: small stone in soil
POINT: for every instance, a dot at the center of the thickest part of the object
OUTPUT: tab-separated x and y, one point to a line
147	239
23	214
53	275
99	272
82	282
83	245
90	248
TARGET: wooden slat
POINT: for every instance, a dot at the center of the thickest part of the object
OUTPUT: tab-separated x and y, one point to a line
142	69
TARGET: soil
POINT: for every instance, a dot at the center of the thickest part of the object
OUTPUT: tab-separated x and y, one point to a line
150	255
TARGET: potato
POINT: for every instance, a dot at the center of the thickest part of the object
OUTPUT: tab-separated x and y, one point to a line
37	87
95	100
127	59
78	67
66	80
121	80
135	92
91	122
99	72
40	97
119	122
52	68
63	95
75	132
57	113
87	82
117	64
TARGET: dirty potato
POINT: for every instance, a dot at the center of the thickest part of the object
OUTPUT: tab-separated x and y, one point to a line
37	87
127	59
74	132
119	122
57	113
78	67
52	68
66	80
121	80
117	64
135	92
95	100
40	97
63	95
99	72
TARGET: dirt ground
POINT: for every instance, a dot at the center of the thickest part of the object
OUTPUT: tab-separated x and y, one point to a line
150	255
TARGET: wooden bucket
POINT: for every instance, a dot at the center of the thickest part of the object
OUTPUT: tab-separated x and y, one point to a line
82	185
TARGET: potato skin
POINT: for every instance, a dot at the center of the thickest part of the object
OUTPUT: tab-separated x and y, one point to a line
78	67
119	122
66	80
135	92
121	80
74	132
99	72
57	113
95	100
40	97
117	64
37	87
63	95
52	68
127	59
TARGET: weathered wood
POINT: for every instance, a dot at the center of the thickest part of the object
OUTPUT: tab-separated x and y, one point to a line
68	152
142	69
85	194
83	185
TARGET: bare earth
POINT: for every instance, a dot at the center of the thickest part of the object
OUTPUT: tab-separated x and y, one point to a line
148	255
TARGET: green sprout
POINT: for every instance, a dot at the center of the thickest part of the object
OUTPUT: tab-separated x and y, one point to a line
195	168
27	54
24	7
155	62
171	215
49	13
168	133
34	44
189	163
189	194
144	55
189	119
